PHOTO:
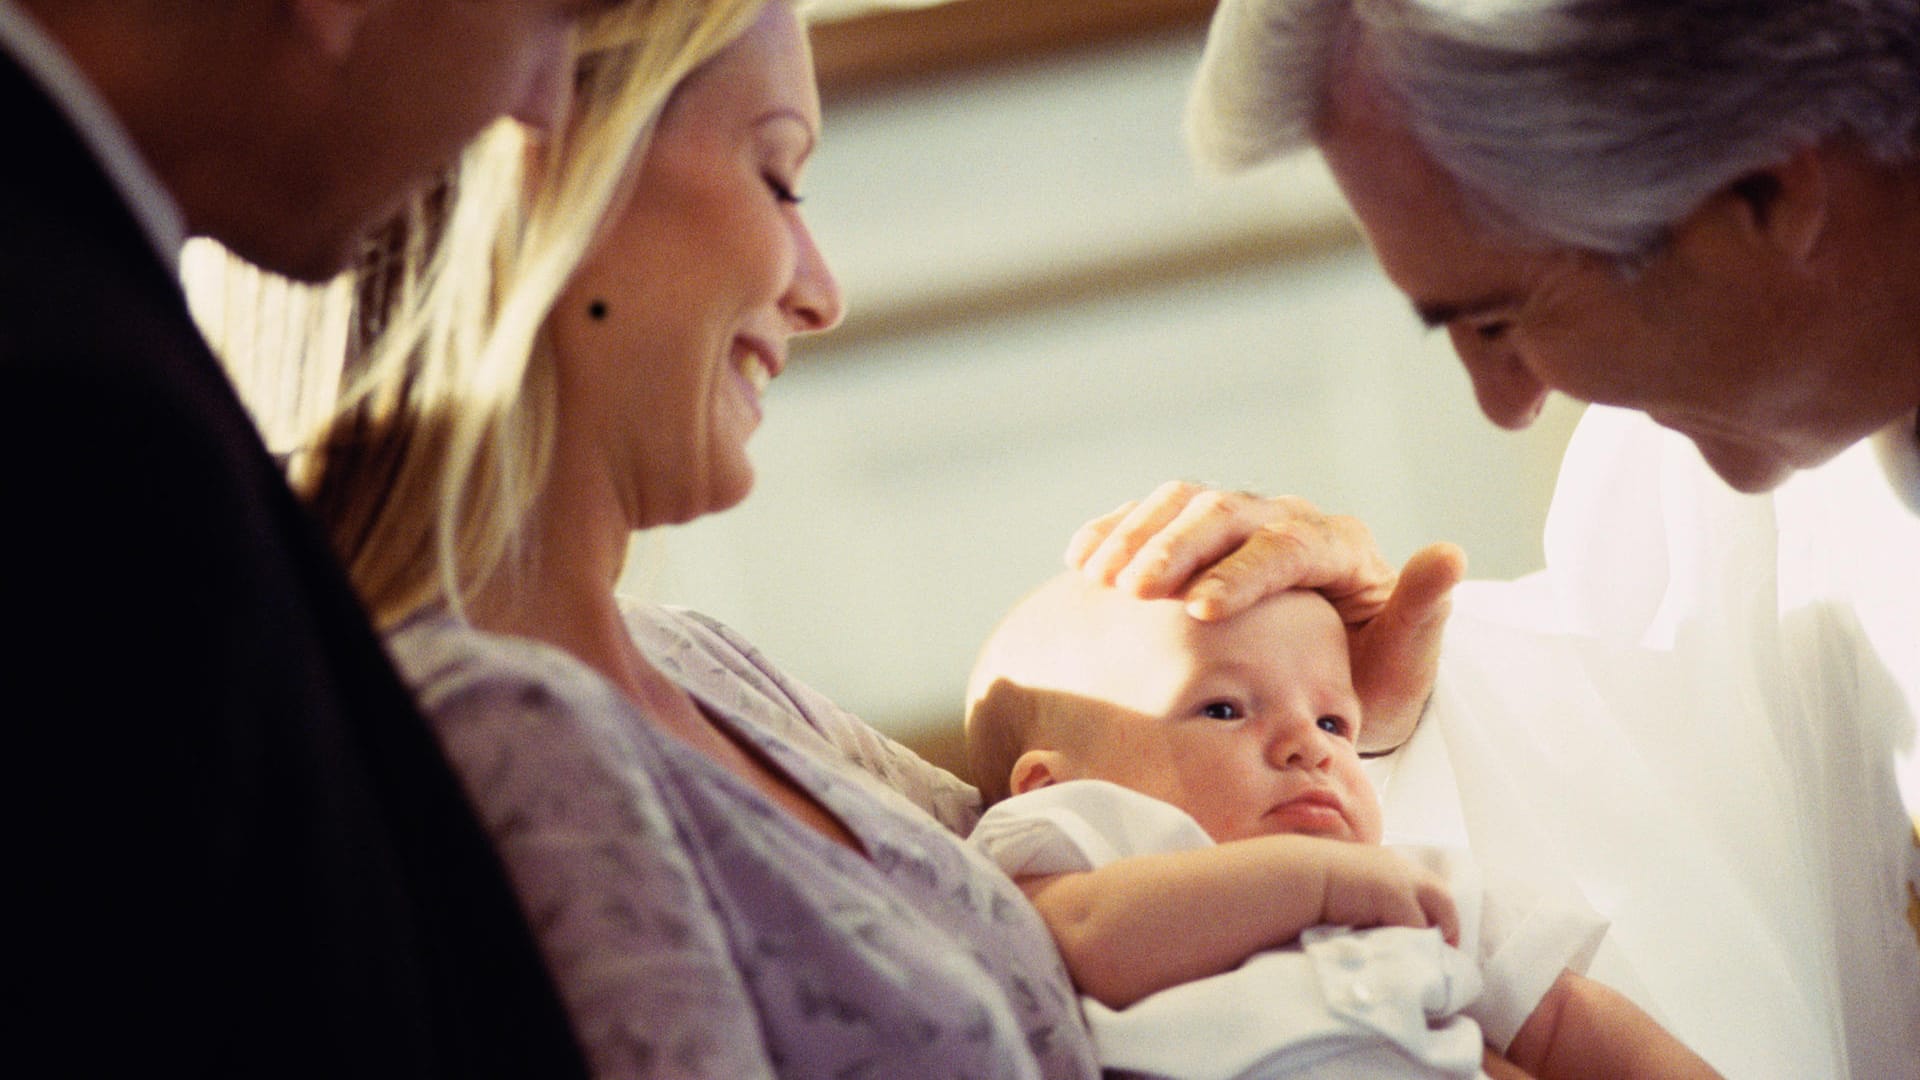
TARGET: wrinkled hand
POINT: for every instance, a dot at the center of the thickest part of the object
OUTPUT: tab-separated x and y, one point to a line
1367	886
1222	551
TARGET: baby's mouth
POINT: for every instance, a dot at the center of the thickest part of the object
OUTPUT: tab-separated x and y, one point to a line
1315	812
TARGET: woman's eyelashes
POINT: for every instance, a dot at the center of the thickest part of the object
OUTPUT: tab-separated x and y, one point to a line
782	190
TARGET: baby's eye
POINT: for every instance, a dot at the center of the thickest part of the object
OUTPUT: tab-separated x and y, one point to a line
1337	726
1222	710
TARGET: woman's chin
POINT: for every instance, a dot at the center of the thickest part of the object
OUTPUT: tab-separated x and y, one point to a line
730	490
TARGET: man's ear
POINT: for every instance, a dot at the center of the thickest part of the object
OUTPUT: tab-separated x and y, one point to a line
1036	769
332	25
1786	204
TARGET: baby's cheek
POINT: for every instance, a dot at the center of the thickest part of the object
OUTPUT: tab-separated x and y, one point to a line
1368	824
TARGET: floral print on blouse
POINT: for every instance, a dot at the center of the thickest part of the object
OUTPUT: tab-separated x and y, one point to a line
694	928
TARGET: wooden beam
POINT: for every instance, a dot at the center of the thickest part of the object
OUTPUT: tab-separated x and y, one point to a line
872	53
1087	280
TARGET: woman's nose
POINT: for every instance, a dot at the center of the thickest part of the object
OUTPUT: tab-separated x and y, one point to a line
1508	392
813	303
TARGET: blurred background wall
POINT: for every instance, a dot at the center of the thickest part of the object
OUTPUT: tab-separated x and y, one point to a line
1052	311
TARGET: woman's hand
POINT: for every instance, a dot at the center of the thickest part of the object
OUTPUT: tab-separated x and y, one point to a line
1222	551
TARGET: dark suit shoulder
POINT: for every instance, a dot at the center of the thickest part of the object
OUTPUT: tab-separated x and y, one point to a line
252	858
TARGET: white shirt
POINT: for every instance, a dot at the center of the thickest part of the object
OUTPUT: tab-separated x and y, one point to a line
1898	445
35	50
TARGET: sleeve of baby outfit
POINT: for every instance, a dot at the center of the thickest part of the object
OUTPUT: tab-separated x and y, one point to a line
1081	825
622	919
1525	941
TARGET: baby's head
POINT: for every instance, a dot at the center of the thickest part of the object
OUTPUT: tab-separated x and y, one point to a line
1248	724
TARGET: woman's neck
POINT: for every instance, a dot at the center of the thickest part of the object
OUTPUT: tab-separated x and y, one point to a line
561	590
561	593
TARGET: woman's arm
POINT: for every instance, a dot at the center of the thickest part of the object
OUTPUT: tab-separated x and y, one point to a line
1584	1029
1224	550
1147	922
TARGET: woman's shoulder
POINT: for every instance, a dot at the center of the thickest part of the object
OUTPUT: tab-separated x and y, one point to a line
713	661
684	641
456	668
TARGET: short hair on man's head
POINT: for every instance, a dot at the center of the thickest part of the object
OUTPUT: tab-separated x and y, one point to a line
1596	124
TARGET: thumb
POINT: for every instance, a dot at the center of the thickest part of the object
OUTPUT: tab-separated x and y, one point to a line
1397	653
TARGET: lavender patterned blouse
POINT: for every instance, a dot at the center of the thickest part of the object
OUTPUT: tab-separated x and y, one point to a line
697	930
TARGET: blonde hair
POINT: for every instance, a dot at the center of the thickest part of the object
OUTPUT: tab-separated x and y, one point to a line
425	473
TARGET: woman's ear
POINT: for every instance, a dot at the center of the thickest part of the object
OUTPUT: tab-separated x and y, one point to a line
331	25
1785	205
1036	769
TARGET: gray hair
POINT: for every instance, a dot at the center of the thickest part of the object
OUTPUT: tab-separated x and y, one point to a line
1592	123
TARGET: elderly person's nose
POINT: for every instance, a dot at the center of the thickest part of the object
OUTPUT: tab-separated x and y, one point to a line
1507	390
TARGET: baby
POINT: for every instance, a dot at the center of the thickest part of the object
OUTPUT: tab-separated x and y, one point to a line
1182	799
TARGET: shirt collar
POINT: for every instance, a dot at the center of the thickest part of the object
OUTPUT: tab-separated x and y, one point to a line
112	146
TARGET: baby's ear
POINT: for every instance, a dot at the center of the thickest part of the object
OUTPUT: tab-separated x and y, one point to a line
1036	769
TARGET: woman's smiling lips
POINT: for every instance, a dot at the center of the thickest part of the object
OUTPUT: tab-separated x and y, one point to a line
758	364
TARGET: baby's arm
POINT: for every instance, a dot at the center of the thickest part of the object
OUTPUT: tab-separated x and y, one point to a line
1141	924
1585	1029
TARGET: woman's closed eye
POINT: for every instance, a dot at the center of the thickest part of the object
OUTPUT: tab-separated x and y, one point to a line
782	190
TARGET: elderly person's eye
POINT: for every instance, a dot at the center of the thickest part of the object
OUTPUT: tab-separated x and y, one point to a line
1492	329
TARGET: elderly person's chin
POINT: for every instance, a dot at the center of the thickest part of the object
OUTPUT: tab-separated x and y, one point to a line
1747	470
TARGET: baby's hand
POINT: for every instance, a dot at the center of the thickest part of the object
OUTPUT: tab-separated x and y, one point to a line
1368	886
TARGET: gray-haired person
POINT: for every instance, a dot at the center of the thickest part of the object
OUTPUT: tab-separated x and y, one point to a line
1707	213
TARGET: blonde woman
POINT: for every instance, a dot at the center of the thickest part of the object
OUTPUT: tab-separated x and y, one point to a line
729	876
722	872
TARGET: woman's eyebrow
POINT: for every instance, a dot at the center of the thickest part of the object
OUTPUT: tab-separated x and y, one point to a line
795	115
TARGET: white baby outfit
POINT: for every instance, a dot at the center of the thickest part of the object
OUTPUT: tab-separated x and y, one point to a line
1385	1002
